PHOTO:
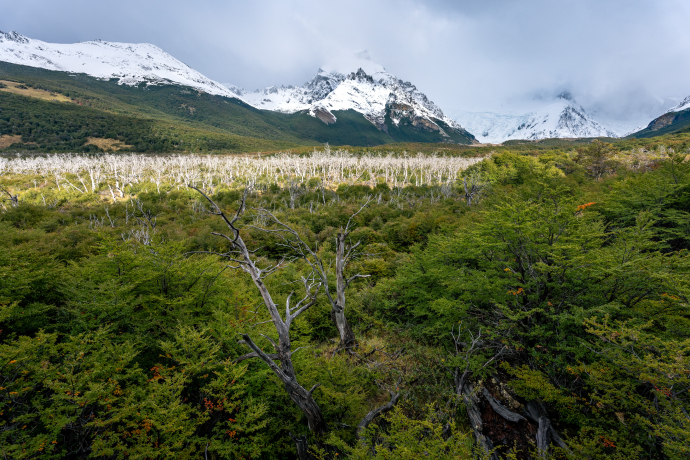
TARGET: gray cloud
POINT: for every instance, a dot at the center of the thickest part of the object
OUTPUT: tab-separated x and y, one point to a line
626	59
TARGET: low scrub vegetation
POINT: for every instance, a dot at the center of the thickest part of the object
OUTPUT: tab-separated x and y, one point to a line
334	305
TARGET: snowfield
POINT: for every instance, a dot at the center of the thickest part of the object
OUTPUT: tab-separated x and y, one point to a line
130	64
684	105
563	118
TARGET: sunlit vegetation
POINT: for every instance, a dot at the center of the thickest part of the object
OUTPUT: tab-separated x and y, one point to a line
521	303
23	90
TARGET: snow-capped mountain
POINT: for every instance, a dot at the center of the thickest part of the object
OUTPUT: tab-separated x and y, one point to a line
684	105
130	63
675	118
361	85
357	84
561	118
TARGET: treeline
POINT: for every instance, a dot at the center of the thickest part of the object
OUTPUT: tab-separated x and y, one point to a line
539	309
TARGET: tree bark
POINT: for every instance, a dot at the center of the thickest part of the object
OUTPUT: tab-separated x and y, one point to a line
542	437
501	409
472	405
536	412
347	337
302	447
376	412
285	372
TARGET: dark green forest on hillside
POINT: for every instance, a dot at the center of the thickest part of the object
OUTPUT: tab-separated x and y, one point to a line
166	118
536	305
677	122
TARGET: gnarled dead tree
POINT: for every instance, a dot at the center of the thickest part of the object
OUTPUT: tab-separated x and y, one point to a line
371	415
14	199
244	259
346	251
474	188
533	425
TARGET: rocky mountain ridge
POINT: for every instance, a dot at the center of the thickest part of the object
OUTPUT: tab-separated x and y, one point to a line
683	105
676	118
357	84
363	86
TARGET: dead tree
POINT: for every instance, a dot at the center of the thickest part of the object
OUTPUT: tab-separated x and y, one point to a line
474	188
14	199
395	395
346	251
303	398
295	191
477	397
244	259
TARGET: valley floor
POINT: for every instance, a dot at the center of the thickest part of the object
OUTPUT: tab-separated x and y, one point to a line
529	301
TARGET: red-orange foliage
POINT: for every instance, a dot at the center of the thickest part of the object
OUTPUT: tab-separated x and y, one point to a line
585	206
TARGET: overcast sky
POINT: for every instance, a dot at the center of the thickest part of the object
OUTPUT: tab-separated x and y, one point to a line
625	59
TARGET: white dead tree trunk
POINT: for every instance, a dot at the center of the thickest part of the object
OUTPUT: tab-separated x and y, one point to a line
473	188
243	257
345	253
14	199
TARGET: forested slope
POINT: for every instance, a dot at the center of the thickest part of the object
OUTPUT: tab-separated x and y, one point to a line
166	118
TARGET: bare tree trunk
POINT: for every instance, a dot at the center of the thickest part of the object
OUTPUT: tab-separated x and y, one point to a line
376	412
542	437
347	337
285	372
300	396
345	253
471	400
302	447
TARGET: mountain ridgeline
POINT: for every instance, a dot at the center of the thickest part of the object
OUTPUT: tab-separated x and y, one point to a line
676	120
560	118
107	96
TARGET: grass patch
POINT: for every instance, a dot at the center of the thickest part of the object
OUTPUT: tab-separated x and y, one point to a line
23	90
107	145
7	140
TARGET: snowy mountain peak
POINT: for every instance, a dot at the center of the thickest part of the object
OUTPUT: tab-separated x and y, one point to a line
130	64
361	85
12	37
560	118
684	105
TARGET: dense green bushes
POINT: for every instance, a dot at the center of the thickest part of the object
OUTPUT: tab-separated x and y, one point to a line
546	279
118	343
